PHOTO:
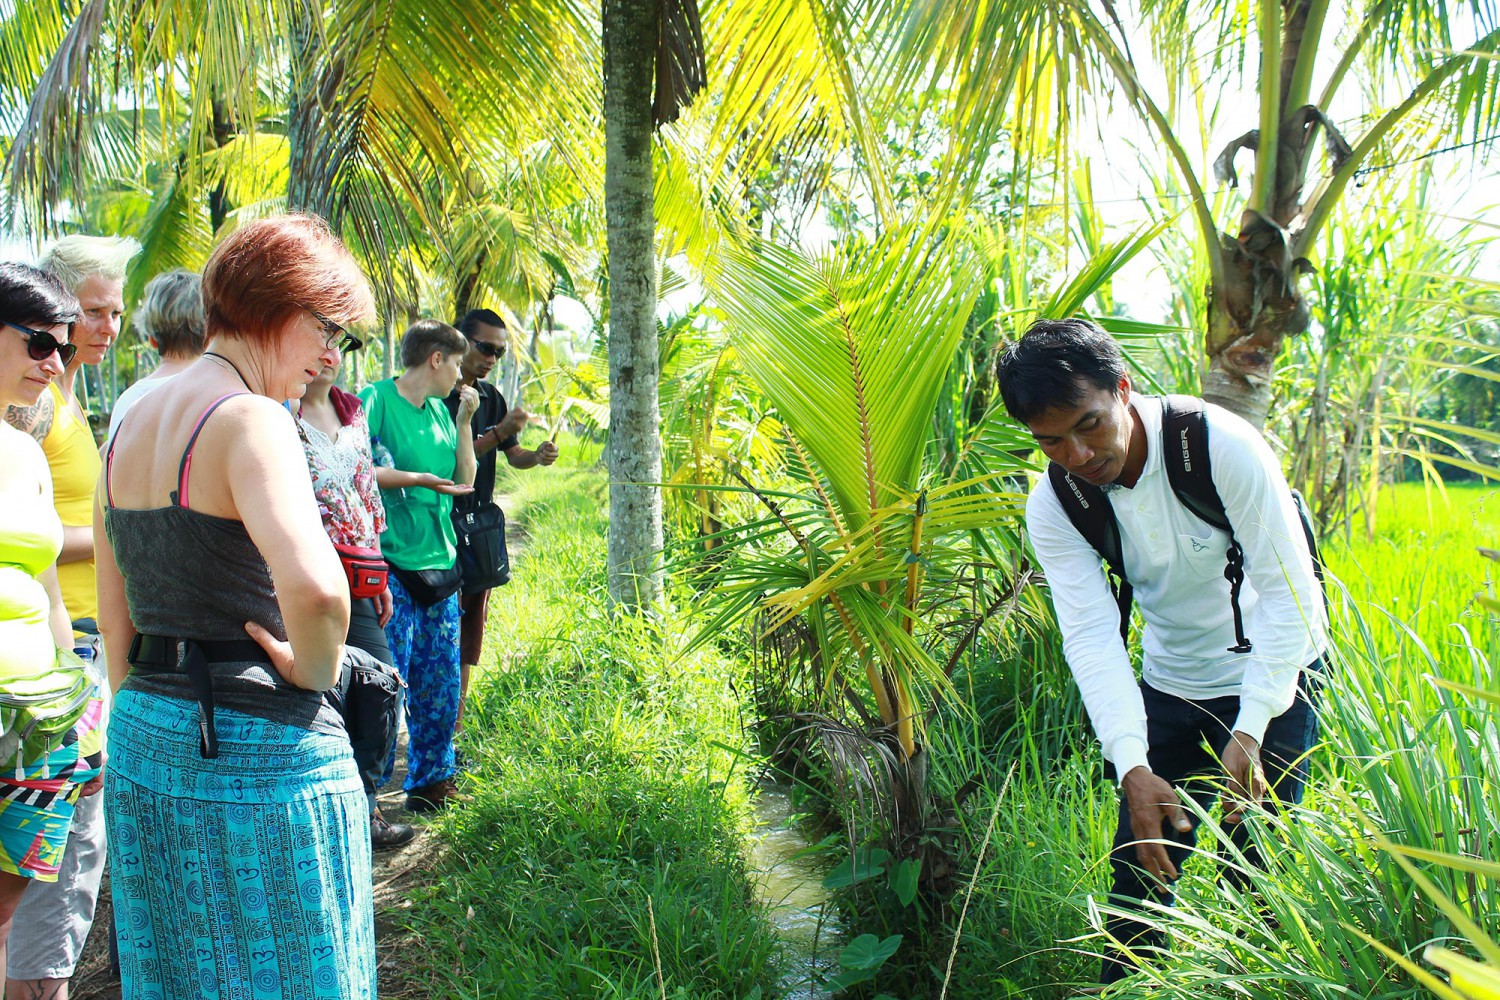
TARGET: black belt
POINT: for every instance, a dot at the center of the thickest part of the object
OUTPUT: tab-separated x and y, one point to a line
159	654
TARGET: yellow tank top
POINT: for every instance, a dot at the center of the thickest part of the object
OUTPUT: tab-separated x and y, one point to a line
74	459
30	538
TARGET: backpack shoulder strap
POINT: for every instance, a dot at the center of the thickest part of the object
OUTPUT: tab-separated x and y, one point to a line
1184	438
1091	514
1184	433
1310	535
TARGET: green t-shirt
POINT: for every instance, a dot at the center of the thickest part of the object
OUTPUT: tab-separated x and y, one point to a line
418	526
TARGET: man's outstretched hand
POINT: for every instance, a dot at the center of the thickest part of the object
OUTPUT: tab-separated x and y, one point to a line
1153	802
1247	777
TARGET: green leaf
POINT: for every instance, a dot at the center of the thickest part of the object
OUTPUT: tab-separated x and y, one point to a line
849	978
862	959
904	879
865	863
867	952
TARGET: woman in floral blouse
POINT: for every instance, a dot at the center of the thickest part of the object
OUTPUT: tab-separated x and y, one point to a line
337	441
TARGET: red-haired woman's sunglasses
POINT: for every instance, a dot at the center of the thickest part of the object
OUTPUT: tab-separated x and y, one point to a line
40	344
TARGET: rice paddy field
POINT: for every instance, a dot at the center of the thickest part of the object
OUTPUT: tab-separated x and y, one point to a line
1420	571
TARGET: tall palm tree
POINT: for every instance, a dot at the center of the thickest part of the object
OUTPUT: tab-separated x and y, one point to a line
630	31
385	108
653	67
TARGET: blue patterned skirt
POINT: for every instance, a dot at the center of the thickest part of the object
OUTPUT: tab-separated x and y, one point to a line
244	877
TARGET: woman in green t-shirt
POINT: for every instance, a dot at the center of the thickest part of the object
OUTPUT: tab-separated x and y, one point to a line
423	460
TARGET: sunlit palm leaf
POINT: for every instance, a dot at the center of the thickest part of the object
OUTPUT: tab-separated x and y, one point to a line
851	348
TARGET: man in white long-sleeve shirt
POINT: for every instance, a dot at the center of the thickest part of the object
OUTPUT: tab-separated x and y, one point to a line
1201	711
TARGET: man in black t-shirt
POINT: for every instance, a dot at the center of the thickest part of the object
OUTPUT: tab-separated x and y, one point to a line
496	427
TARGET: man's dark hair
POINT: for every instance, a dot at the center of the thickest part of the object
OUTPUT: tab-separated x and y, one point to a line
474	318
1053	365
33	297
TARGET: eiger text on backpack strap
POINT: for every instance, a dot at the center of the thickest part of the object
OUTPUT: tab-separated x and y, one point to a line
1091	514
1184	432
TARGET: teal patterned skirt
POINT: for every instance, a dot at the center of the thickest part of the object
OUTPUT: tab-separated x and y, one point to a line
243	877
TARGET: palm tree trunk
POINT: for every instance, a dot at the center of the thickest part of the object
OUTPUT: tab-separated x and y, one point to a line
635	531
219	205
1258	305
466	288
303	119
1259	301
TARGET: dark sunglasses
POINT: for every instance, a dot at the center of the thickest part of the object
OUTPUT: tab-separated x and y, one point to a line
346	342
40	344
488	350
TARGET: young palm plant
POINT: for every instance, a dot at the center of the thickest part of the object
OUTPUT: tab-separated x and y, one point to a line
869	552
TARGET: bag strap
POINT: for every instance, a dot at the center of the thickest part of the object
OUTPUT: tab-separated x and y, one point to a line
1310	534
1184	431
179	496
1089	511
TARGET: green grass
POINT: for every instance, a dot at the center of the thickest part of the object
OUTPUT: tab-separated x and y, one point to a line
608	812
606	777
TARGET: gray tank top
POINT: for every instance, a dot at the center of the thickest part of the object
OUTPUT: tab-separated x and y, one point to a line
190	575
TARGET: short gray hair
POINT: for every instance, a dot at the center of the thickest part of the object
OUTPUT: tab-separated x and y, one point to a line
75	259
171	313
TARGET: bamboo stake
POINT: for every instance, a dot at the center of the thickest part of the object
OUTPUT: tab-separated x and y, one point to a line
905	712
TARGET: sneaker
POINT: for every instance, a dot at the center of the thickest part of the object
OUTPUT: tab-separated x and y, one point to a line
384	833
431	798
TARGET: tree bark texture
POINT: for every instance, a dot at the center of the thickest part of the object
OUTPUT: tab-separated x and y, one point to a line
635	529
1260	301
1259	304
466	288
302	114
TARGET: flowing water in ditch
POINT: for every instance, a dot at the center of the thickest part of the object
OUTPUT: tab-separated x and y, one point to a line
790	883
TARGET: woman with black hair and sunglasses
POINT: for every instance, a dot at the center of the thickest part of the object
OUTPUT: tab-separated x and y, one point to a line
50	705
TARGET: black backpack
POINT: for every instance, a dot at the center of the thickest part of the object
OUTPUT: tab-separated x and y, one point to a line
1184	433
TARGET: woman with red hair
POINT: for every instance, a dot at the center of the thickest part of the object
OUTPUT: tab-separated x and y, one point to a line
238	831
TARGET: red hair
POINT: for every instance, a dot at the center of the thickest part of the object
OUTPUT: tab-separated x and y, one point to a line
262	275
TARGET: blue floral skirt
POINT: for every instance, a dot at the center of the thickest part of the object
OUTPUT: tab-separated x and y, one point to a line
243	877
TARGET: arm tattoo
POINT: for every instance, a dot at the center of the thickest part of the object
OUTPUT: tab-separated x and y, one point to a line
34	420
43	989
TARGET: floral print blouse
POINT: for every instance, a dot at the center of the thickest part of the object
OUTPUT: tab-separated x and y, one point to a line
343	478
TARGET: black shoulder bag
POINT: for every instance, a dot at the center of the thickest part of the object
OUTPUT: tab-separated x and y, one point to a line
482	558
429	586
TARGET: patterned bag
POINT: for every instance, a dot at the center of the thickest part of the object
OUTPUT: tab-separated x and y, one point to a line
38	713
